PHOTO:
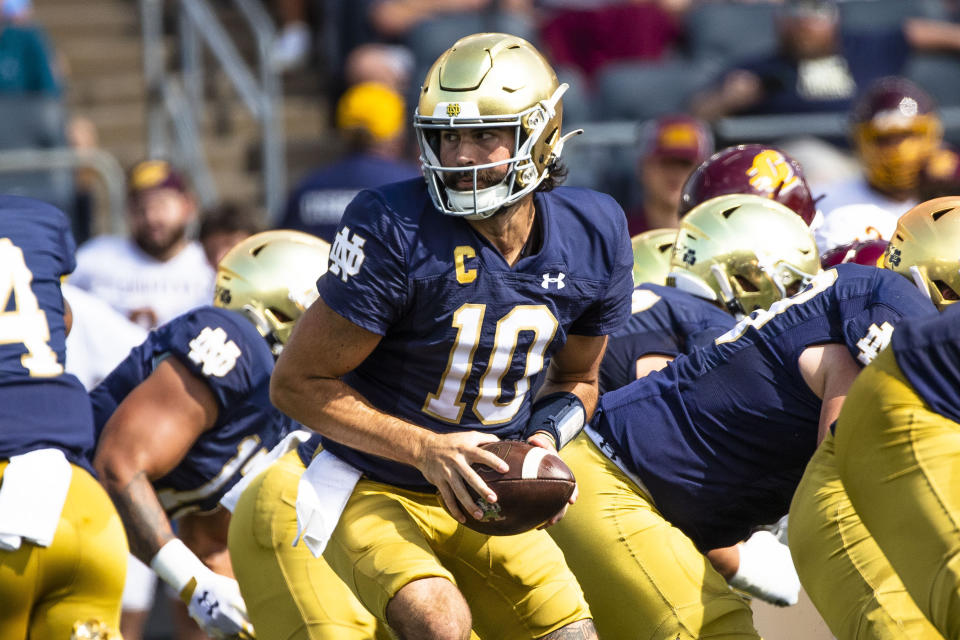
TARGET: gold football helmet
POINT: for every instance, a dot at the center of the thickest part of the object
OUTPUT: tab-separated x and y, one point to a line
743	251
484	81
271	278
926	248
651	255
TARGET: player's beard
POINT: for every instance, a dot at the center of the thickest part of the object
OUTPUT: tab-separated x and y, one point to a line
159	243
485	178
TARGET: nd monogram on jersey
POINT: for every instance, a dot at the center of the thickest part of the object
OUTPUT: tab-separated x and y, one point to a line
721	436
224	349
40	405
665	321
463	332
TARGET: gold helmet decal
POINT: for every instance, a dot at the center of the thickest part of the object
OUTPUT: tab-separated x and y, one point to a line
743	251
271	278
484	81
651	255
771	173
926	248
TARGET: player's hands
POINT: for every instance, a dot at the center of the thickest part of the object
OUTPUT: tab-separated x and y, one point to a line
215	603
445	461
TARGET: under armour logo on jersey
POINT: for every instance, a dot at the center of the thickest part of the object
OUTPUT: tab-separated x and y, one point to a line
346	255
875	341
557	281
213	352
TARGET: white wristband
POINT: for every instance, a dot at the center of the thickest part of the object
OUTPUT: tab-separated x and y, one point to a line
176	564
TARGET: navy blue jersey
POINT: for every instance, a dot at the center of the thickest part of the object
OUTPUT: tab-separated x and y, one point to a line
928	352
463	332
40	405
721	437
225	350
666	322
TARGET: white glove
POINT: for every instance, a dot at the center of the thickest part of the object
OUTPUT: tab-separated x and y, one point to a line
766	570
212	600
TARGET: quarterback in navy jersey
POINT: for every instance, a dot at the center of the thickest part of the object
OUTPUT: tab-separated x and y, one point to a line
443	300
714	444
887	466
188	412
62	545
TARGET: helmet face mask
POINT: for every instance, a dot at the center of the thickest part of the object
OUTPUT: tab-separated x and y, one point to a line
489	81
271	279
744	252
896	130
926	249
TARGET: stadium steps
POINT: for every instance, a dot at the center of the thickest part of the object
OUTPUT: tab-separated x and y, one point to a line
100	47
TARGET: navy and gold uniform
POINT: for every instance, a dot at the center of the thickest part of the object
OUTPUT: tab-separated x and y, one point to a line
224	349
897	442
665	321
463	335
80	575
711	446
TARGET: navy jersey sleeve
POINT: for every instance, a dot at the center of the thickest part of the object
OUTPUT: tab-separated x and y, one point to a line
366	282
224	350
868	332
612	309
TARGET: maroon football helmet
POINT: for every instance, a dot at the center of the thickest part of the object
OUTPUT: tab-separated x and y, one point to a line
750	169
866	252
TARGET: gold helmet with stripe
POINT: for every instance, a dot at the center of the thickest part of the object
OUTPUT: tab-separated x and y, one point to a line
271	278
485	81
651	255
743	251
926	248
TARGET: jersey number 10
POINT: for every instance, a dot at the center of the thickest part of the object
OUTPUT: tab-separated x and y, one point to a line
25	322
446	403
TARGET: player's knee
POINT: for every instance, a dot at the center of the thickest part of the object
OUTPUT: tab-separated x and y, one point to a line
429	608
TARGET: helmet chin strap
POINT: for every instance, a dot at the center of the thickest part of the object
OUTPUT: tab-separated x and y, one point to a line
263	328
920	282
726	292
477	200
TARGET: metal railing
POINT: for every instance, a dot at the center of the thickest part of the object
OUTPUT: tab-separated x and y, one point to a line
176	100
103	163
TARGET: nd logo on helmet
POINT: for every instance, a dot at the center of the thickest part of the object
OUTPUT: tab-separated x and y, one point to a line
453	109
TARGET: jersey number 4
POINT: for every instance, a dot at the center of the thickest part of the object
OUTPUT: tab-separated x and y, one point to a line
21	319
447	404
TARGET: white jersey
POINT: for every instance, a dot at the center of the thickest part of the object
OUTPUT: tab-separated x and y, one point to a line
853	211
100	337
142	288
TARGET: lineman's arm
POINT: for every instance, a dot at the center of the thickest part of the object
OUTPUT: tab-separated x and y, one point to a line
649	364
829	370
306	386
145	438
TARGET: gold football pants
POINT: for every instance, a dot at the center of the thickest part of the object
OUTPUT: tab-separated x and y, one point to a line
643	577
289	594
79	577
518	587
900	464
841	567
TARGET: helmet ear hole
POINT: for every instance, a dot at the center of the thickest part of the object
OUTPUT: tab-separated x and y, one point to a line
745	284
279	315
946	290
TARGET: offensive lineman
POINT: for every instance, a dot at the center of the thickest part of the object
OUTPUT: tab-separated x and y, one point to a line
62	546
694	456
847	574
187	413
443	299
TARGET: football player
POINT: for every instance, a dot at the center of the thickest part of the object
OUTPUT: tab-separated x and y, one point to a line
187	413
443	299
692	457
63	553
866	252
895	130
755	169
841	566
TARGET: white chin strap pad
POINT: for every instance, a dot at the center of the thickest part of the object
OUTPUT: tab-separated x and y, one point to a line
463	201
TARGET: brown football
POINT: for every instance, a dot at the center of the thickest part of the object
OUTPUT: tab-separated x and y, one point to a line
534	490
